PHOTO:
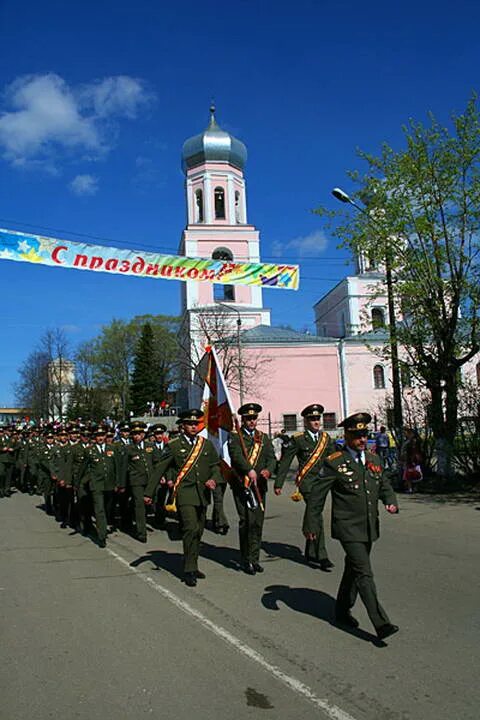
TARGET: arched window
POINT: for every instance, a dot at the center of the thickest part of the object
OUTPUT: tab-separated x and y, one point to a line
223	292
378	377
219	198
198	206
378	318
238	212
222	253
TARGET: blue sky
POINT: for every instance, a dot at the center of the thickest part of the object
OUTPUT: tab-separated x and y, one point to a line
98	98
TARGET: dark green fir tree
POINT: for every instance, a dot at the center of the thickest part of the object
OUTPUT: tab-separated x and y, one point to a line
144	376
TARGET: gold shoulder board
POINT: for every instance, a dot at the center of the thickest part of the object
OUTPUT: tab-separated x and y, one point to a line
334	455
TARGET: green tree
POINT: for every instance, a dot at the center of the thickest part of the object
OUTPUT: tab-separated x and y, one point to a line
422	216
144	384
165	329
113	354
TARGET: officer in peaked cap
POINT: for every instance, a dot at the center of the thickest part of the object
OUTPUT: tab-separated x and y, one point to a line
250	410
192	415
139	473
253	460
196	465
310	447
158	439
357	481
313	412
356	423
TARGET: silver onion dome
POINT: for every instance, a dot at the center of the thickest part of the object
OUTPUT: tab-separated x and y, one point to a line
213	145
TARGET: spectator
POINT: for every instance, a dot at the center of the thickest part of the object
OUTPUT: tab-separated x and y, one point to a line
411	457
381	445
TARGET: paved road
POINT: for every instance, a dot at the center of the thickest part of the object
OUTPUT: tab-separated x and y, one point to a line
87	633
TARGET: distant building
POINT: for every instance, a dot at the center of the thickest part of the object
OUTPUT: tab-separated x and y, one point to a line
61	379
342	366
13	414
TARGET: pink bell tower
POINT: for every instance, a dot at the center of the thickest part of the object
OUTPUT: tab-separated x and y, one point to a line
217	227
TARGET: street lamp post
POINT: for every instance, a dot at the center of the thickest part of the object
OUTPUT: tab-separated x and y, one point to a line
239	348
342	196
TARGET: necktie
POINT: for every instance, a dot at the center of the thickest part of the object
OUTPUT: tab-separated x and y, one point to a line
359	458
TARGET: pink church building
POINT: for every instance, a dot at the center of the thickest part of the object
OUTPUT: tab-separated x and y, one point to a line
339	367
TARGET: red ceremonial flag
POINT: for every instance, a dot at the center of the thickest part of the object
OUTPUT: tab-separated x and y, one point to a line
217	408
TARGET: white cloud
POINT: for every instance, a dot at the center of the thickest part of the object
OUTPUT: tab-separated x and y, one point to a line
304	246
84	185
47	116
121	96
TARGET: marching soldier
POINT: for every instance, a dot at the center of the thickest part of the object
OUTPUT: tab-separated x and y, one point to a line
98	473
139	472
253	460
61	468
357	481
120	445
7	458
157	432
196	464
46	483
310	447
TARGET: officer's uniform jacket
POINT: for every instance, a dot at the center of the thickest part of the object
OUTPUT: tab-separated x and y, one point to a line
191	490
138	461
266	457
356	490
7	451
302	445
61	463
78	453
98	468
121	461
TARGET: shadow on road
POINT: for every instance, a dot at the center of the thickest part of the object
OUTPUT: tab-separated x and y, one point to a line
226	556
285	551
162	560
315	603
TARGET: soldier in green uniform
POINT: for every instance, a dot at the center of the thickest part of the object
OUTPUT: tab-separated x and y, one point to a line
7	458
79	443
310	448
253	461
61	467
157	437
139	473
98	473
196	463
357	481
46	483
122	498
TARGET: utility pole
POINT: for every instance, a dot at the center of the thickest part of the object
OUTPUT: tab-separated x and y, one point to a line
339	194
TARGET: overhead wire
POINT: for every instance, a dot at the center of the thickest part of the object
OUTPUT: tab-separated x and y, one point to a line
166	250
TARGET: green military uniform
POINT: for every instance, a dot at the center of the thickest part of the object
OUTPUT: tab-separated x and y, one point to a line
98	474
45	481
250	525
7	458
61	468
356	484
302	445
120	450
83	510
139	473
192	497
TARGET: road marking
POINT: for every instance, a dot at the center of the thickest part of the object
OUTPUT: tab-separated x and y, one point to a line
332	711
